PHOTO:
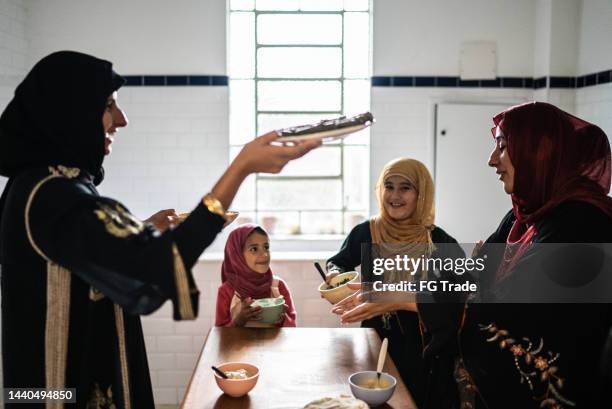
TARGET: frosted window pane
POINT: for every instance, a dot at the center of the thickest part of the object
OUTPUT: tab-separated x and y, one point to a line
242	4
299	96
277	4
356	5
321	5
356	176
299	62
270	122
242	111
242	45
356	45
352	219
321	222
358	138
243	217
299	195
356	96
279	223
309	29
324	161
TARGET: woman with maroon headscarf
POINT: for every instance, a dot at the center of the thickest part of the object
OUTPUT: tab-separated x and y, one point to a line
245	277
517	349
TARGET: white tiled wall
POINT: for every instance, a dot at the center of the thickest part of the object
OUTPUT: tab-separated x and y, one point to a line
405	120
173	347
173	150
13	42
595	105
13	50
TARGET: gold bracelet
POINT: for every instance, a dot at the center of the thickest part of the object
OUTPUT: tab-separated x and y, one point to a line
214	205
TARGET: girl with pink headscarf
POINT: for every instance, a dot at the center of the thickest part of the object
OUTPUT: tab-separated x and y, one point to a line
245	277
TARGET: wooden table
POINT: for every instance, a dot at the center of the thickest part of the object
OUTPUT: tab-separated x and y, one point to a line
297	365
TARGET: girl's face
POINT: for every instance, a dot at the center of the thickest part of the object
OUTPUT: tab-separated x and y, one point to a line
500	160
257	252
399	198
112	118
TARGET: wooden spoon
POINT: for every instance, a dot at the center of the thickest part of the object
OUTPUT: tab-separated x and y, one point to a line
381	360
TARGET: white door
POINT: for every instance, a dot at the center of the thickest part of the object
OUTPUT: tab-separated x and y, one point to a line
470	200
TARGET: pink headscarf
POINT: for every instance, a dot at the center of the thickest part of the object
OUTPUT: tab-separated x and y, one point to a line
245	281
556	157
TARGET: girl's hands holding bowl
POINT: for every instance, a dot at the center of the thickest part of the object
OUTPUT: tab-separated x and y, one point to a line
247	313
281	319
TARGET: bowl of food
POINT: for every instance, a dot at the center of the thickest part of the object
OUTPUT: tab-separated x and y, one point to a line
337	289
242	377
366	386
271	309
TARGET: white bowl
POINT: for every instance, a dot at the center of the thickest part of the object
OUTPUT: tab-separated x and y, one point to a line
373	397
333	295
271	309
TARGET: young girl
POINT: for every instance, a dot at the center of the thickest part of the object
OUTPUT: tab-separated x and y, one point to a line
246	276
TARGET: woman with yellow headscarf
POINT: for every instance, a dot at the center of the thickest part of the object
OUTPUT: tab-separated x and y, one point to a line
405	222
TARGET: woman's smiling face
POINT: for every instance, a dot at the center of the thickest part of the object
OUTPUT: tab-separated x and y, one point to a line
399	197
112	119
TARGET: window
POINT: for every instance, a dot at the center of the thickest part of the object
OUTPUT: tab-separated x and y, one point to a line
293	62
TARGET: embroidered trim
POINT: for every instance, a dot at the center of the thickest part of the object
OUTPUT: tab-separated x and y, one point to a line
95	294
27	215
118	221
125	380
61	170
533	365
99	400
56	329
465	386
182	286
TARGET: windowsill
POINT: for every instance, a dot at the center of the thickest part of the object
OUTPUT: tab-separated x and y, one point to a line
307	237
287	247
279	256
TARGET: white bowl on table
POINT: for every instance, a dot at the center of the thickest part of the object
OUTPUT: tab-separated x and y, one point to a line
372	396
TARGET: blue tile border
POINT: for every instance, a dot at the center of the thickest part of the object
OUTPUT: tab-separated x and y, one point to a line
175	80
539	82
603	77
424	81
588	80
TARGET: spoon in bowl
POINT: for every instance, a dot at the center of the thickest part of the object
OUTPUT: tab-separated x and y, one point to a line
320	270
219	372
381	360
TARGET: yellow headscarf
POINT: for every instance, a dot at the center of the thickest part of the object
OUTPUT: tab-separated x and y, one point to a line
417	228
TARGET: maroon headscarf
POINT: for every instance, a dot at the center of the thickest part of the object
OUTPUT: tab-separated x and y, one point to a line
556	157
246	282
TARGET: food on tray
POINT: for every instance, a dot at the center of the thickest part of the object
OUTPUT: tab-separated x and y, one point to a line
327	128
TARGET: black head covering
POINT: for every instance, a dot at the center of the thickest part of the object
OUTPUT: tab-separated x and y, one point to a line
55	117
